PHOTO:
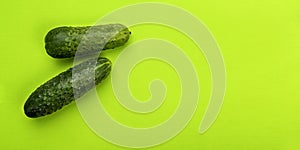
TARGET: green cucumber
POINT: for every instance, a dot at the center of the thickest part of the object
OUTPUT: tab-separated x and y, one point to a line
66	87
66	42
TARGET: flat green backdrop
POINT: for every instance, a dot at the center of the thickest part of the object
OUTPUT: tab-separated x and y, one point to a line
260	42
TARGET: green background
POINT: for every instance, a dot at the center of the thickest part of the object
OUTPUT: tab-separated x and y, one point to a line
260	43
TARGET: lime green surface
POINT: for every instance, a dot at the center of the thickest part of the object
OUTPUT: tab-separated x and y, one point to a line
260	42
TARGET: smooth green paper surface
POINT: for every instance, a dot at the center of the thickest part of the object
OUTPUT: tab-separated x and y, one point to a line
260	43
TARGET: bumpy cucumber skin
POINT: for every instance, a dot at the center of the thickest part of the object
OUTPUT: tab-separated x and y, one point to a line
60	90
63	42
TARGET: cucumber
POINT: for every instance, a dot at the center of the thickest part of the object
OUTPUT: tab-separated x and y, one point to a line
60	90
63	42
